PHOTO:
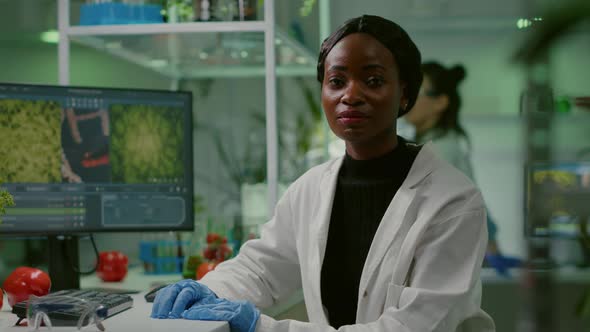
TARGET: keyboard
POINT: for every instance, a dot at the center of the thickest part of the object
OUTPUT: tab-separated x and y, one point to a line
114	303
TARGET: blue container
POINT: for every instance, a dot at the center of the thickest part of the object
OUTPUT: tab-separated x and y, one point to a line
147	13
160	257
119	13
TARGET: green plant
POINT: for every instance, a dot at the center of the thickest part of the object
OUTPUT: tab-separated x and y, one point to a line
301	133
6	200
306	7
176	10
295	139
239	169
583	305
307	122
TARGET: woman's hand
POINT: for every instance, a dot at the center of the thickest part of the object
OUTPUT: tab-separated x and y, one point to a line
192	300
173	300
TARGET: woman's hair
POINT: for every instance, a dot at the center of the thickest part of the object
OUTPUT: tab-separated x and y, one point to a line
445	82
394	38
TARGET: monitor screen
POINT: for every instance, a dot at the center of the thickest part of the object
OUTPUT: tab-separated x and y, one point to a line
562	191
81	160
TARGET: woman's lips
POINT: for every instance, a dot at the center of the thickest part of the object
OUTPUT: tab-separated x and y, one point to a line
351	117
348	121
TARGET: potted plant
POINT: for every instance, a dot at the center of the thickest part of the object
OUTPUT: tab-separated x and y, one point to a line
245	184
298	135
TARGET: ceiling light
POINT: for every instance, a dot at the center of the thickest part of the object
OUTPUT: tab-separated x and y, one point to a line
50	36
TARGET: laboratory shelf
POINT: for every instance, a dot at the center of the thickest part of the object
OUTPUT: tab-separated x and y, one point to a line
166	28
199	51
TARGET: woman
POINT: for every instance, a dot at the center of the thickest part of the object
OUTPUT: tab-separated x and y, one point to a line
386	238
436	114
435	117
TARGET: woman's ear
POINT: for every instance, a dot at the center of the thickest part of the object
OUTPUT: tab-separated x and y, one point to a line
441	103
403	104
404	100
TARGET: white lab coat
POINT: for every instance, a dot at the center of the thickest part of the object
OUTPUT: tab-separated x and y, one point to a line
422	270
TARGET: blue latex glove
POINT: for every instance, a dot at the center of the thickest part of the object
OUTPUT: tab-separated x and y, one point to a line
171	301
242	316
502	263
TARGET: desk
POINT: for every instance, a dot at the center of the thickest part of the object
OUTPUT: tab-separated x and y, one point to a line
134	280
137	280
131	320
503	298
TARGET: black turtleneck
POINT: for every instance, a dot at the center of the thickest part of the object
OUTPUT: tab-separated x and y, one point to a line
363	192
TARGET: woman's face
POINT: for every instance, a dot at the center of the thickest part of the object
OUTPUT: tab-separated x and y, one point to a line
426	110
361	91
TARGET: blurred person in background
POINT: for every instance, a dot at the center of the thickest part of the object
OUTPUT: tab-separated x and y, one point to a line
435	117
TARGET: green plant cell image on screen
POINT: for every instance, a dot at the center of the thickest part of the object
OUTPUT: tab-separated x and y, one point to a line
146	144
30	141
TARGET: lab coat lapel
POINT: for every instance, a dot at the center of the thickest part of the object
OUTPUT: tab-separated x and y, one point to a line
396	221
319	233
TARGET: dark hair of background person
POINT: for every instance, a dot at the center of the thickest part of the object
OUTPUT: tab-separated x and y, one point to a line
395	39
445	82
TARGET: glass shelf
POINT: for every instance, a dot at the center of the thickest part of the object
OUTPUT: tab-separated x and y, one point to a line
180	54
443	24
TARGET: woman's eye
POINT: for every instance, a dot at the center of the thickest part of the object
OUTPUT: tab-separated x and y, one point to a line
375	82
336	82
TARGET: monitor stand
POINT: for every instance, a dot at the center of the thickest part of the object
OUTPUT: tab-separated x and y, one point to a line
63	262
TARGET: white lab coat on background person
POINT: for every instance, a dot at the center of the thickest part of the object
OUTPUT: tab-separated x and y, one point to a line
422	272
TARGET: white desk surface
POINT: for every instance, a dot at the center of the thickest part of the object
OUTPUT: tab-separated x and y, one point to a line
134	319
137	280
134	280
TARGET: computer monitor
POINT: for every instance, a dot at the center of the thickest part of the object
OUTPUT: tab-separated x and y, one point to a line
82	160
558	203
562	191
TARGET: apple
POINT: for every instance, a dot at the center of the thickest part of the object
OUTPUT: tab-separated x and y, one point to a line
25	281
204	268
112	266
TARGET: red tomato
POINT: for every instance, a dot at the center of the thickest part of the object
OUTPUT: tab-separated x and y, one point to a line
112	266
1	298
210	253
25	281
213	238
204	268
223	253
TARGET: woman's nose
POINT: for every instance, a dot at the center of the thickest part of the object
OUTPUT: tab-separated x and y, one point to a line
353	94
